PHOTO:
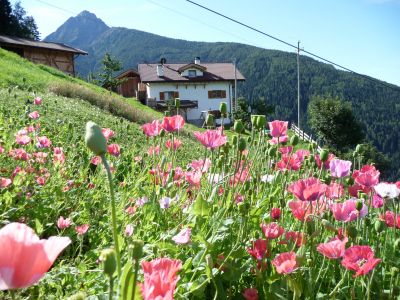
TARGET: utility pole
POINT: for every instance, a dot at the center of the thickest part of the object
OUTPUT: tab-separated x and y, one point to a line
298	84
234	65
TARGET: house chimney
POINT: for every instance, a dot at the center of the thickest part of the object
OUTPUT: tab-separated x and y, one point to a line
197	60
160	70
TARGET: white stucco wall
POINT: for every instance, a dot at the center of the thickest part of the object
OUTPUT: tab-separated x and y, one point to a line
194	91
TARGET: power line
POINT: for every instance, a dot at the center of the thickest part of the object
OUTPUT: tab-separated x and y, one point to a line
294	46
55	6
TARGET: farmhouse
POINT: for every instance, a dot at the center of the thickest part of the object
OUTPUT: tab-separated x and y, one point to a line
201	87
55	55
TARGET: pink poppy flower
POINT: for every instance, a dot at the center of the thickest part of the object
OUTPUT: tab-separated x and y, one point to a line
211	138
286	150
172	124
293	236
153	150
40	157
37	101
183	237
95	160
391	219
325	164
152	129
279	140
34	115
340	168
333	249
278	128
285	263
108	133
309	189
272	230
177	144
63	223
360	259
289	162
22	139
302	210
347	210
367	177
193	178
128	230
114	149
160	278
165	202
302	154
334	191
201	165
25	258
43	142
82	229
275	213
41	180
1	150
377	201
58	155
5	182
259	250
130	210
250	294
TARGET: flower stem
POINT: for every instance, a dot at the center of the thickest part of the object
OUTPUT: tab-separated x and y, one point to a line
111	289
113	213
135	278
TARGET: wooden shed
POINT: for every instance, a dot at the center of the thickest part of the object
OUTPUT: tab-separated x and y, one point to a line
129	87
55	55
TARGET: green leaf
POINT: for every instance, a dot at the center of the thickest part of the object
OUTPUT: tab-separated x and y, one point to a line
39	227
200	207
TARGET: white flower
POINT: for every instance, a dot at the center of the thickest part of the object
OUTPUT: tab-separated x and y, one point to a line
267	178
165	202
387	190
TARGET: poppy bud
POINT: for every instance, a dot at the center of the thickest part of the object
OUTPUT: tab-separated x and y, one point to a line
294	140
209	261
276	213
242	144
351	231
223	108
261	121
272	151
137	249
162	133
358	149
235	139
323	155
359	205
328	225
177	102
210	120
109	260
379	226
238	126
95	139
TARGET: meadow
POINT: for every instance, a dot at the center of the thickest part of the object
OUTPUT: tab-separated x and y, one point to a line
154	209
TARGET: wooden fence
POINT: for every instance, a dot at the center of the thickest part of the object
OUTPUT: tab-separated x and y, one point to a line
304	136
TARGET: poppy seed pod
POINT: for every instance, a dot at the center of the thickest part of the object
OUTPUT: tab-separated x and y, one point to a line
177	102
238	126
242	144
359	205
137	249
223	108
210	120
294	140
95	139
109	260
323	155
379	226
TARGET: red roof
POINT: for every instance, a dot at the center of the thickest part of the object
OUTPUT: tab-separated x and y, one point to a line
213	72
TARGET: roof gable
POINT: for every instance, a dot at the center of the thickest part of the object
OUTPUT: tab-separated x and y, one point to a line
192	66
213	72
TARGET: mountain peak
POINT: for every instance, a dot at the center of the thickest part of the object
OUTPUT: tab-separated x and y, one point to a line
79	31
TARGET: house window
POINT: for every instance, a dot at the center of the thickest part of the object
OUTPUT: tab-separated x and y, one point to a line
221	94
192	73
169	95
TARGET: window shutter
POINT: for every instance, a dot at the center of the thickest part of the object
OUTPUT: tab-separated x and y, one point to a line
161	95
223	94
209	94
176	94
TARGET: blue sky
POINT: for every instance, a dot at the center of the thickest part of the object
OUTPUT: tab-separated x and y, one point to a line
363	35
